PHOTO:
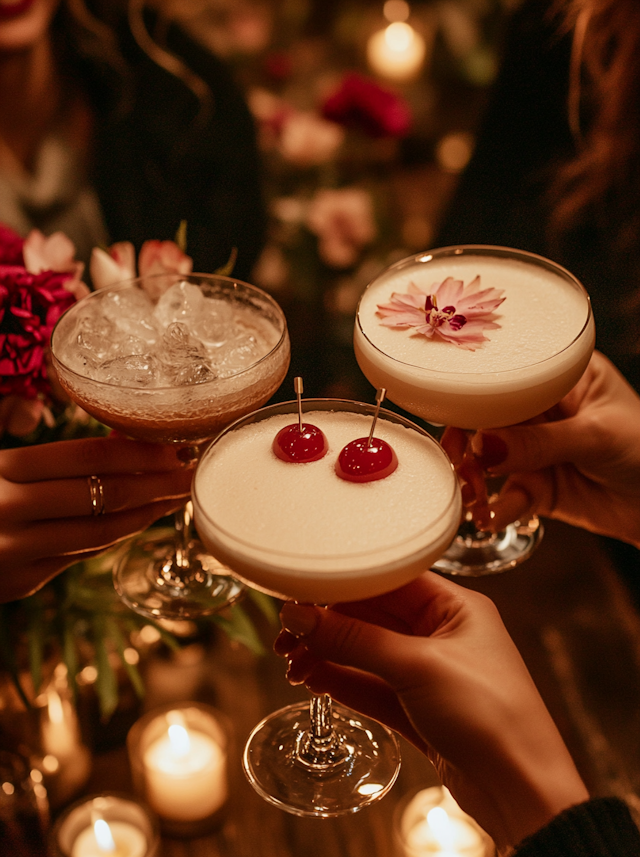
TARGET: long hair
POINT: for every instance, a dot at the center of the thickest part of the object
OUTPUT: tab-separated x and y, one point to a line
602	181
93	30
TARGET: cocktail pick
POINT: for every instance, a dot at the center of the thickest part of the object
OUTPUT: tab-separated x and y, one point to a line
367	458
300	442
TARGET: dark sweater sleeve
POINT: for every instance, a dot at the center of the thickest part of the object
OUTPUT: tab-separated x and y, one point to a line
602	827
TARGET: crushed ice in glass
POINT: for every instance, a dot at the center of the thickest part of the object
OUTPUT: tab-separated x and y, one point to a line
185	338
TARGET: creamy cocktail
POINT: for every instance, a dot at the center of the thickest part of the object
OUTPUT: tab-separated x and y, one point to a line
338	506
535	351
298	530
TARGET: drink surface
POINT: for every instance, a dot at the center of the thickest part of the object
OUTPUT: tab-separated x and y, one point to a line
177	369
299	530
537	354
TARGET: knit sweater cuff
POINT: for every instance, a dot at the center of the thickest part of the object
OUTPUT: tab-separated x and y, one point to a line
602	827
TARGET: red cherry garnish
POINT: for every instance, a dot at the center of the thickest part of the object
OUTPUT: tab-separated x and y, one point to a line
365	460
300	443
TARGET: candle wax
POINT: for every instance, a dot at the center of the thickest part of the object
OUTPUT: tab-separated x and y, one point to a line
129	840
185	787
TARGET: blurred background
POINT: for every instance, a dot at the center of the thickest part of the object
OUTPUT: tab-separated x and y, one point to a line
366	115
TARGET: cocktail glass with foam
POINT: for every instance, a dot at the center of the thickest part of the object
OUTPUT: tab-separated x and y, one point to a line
172	359
298	530
540	347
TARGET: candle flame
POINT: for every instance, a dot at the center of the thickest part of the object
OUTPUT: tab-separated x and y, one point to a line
399	36
179	738
440	826
104	839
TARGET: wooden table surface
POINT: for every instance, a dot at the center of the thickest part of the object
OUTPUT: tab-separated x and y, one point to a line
577	629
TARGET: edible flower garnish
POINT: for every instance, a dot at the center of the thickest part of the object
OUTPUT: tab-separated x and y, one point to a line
448	310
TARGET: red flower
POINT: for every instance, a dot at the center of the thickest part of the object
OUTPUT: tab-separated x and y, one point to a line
30	305
10	247
360	102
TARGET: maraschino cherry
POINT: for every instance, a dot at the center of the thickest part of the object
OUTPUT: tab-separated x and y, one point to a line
367	458
300	442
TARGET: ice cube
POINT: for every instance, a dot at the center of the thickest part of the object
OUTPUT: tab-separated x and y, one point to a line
214	325
95	337
132	370
240	354
181	303
183	357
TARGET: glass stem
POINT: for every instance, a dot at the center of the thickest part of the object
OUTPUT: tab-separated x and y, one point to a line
183	530
321	748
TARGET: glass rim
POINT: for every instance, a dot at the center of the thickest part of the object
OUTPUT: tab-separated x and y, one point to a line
291	406
495	250
122	285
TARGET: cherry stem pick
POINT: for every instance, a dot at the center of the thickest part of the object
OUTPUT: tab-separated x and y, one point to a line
380	394
299	389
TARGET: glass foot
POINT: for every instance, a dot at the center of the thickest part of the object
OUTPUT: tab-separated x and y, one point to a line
358	769
474	553
138	579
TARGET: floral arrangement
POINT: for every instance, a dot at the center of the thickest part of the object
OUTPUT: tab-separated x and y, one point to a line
77	615
448	311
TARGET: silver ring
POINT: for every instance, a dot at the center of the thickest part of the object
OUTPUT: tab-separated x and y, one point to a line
96	490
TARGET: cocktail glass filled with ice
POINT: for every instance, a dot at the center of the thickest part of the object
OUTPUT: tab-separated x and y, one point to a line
316	525
173	359
476	337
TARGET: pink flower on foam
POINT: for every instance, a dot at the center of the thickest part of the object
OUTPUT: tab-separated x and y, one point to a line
446	310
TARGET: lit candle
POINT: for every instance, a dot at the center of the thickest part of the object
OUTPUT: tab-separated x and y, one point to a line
184	767
433	825
397	52
110	839
105	826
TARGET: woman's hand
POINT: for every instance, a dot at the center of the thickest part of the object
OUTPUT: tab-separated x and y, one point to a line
433	661
47	518
579	463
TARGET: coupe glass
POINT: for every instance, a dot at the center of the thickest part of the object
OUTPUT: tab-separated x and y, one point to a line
172	359
533	359
297	530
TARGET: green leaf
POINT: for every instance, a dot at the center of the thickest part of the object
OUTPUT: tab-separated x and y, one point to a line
106	683
226	269
239	627
131	670
265	603
69	651
35	639
7	655
181	236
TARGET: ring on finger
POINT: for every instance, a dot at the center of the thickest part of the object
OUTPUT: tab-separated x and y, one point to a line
96	492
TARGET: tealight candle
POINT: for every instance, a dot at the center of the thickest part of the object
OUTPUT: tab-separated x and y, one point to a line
106	826
179	761
397	52
433	825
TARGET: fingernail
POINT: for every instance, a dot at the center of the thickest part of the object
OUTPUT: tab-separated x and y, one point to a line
493	450
295	675
298	619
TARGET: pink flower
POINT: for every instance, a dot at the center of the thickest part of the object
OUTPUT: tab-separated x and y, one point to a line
55	253
344	222
114	265
361	103
447	310
162	257
307	139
